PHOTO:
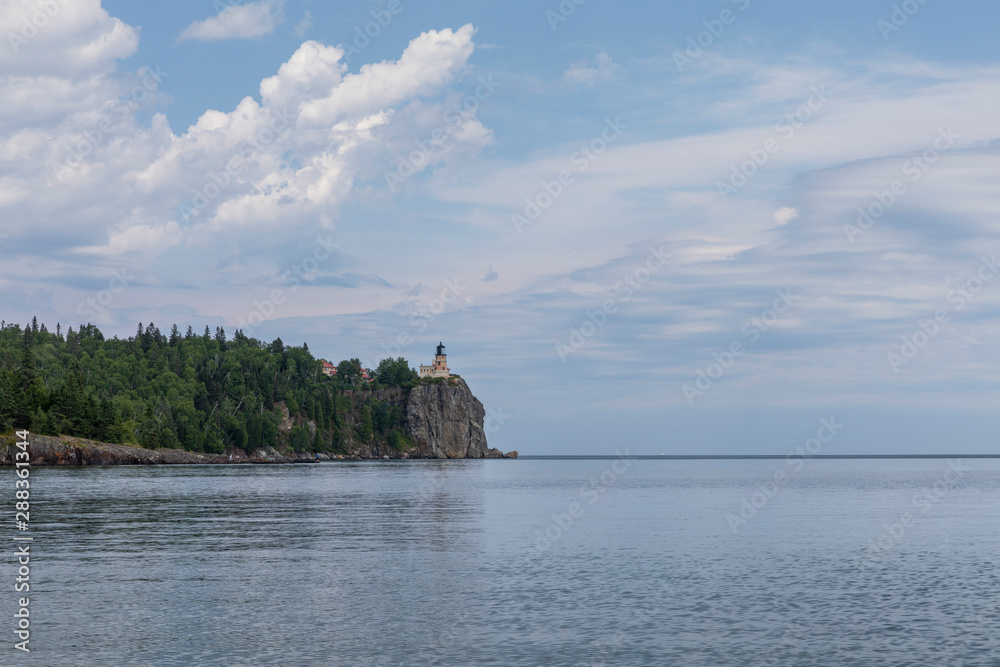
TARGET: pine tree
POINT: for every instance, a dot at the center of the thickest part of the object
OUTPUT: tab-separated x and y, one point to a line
27	394
365	428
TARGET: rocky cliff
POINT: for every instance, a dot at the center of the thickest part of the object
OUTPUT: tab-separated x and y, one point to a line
445	421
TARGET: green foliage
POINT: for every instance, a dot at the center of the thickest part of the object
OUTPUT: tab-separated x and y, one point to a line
349	372
300	439
366	429
396	373
201	393
398	440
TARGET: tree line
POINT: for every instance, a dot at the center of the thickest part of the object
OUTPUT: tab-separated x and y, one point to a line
200	392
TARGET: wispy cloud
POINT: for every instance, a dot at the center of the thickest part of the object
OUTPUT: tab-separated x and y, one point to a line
254	19
589	73
302	26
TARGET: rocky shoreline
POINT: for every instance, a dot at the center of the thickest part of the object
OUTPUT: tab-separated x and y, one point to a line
68	451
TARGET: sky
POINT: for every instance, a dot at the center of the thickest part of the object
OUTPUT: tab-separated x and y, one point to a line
653	227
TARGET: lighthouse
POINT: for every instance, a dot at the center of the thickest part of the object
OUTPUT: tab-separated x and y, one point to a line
439	369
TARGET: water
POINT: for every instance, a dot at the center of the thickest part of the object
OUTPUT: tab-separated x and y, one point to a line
448	563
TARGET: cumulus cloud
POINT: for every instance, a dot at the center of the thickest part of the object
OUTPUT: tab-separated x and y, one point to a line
61	39
254	19
233	198
429	62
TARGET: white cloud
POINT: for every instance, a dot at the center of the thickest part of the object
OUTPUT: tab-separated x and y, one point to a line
784	215
584	73
312	72
254	19
61	39
76	164
142	239
429	62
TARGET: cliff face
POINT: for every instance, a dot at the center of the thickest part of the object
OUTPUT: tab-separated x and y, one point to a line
443	421
446	422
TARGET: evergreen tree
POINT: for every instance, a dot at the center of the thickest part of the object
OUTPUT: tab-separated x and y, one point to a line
197	393
365	428
349	371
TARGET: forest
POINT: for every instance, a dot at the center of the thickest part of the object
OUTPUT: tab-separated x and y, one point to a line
200	392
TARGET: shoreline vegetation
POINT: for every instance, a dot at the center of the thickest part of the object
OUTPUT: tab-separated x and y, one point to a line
189	398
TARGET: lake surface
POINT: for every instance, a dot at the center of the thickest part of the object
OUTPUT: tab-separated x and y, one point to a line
529	562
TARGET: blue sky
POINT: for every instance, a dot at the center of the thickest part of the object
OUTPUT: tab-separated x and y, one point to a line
668	227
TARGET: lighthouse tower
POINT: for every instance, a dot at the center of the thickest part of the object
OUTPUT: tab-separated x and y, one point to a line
439	369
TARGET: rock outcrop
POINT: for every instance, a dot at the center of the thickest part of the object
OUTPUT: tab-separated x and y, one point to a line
445	421
67	451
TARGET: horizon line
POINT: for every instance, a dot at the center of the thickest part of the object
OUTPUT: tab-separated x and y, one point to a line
708	457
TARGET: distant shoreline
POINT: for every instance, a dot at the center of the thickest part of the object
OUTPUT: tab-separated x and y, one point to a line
746	457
